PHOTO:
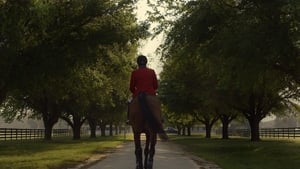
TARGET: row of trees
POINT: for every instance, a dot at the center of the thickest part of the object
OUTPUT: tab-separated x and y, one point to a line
67	59
225	58
71	59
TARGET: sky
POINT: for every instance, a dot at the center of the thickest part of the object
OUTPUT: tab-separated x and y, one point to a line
149	46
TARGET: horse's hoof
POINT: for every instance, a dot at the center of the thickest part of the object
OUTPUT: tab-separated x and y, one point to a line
139	166
150	164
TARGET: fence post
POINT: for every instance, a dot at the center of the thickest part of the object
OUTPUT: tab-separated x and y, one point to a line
5	134
295	132
11	134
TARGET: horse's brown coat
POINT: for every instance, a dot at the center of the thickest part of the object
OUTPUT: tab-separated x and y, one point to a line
136	117
141	125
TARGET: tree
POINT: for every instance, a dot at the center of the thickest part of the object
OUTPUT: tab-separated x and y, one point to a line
226	118
12	40
52	40
110	104
184	90
246	41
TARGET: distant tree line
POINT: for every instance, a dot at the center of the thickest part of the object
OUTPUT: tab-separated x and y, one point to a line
67	59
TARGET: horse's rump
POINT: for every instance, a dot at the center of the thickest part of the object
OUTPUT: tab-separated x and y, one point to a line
145	117
137	117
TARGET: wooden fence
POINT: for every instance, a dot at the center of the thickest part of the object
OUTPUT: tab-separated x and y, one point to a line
292	132
27	134
280	132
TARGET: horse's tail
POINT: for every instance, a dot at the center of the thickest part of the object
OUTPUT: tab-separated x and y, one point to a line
153	122
148	114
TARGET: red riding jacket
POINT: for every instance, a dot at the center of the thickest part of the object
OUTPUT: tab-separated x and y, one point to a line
143	79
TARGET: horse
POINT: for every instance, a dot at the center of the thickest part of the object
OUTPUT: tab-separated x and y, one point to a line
145	117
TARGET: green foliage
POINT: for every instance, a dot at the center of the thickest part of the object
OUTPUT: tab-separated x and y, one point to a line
66	55
241	54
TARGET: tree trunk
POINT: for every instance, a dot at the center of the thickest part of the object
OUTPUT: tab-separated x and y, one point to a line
178	130
254	125
49	121
255	114
225	123
93	127
49	117
183	131
116	129
189	131
208	130
76	126
225	130
111	129
208	121
102	128
48	131
93	132
76	132
208	126
226	119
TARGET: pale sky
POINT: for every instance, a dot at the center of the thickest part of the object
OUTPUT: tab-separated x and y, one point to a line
148	47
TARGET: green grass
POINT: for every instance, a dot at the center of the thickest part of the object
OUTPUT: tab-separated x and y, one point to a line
56	154
244	154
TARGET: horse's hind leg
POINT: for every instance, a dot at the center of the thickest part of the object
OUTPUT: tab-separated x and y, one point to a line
138	151
152	150
146	150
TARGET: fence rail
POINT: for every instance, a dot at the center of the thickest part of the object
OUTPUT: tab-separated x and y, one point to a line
280	132
292	132
29	134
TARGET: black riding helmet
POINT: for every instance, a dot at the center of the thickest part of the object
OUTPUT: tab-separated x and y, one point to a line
141	60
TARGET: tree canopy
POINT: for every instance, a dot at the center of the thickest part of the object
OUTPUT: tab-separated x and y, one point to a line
63	57
248	49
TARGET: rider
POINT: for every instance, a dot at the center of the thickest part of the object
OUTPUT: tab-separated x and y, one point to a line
144	80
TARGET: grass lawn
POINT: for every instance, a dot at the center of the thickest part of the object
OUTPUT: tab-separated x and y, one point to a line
56	154
244	154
